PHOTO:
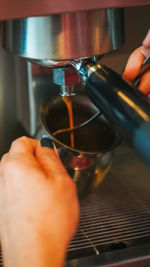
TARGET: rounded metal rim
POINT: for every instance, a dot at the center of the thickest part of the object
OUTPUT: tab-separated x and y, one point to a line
115	144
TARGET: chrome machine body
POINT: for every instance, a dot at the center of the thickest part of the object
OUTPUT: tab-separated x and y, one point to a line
54	40
64	37
117	215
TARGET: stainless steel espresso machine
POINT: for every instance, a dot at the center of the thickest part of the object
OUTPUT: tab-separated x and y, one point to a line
114	228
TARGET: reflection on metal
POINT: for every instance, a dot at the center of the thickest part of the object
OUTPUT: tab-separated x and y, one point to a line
9	126
116	215
100	174
90	240
134	106
65	36
89	158
33	86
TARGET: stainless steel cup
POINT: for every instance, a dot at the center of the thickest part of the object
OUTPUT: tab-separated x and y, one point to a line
90	159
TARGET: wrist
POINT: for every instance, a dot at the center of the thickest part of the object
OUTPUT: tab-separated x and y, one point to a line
33	249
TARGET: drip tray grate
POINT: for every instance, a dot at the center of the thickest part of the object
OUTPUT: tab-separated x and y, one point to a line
117	215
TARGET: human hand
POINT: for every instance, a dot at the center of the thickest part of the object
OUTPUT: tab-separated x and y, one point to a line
38	206
134	64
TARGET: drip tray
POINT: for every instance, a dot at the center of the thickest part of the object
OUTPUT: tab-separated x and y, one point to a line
116	217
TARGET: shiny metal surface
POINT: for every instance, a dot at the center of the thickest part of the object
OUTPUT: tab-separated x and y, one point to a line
115	220
10	128
65	36
66	78
126	165
87	173
33	86
89	159
90	140
95	116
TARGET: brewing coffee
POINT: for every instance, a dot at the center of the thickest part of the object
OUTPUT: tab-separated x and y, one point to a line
97	137
68	102
89	157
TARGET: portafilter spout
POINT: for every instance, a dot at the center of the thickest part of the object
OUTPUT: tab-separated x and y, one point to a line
121	102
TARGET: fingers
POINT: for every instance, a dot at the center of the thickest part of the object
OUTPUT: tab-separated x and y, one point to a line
49	161
144	86
23	145
20	158
26	155
134	64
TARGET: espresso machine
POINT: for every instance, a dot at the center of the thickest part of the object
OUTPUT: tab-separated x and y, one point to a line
45	40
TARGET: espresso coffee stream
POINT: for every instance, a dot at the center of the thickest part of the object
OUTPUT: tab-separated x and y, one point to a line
60	114
67	100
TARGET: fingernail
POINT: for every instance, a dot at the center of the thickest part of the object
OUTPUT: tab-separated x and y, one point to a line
46	142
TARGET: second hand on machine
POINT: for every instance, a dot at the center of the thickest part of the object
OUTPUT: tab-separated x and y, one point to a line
120	101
